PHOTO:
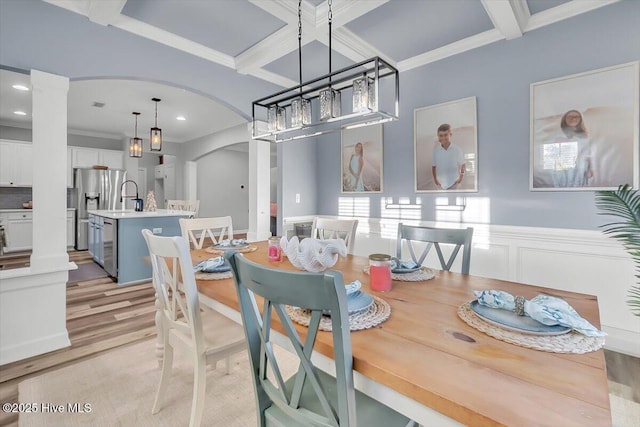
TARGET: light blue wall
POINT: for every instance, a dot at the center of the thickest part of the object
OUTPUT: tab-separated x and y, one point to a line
499	75
297	175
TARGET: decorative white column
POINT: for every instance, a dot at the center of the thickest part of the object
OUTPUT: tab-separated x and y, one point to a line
259	190
49	123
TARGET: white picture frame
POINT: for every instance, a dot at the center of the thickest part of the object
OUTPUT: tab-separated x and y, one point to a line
461	115
370	178
584	130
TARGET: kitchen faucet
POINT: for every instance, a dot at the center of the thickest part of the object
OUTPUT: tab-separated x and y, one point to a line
123	195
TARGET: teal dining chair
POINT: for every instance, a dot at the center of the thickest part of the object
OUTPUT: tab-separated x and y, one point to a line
461	238
311	396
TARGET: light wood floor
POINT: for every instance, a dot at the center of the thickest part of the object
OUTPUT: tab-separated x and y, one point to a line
102	316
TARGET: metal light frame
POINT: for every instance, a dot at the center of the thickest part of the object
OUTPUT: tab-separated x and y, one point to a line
324	96
155	135
135	143
382	75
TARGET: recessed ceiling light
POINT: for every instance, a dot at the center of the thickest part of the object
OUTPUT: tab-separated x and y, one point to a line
181	118
20	113
20	87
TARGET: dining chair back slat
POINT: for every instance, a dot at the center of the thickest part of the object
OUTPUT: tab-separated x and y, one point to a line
196	230
329	228
310	396
434	237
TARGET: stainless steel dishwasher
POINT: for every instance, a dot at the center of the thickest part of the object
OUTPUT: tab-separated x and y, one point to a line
110	246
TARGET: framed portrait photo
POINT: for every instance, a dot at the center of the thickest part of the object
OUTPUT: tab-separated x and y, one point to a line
361	154
584	131
446	147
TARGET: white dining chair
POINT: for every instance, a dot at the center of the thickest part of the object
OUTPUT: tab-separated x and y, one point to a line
184	205
329	228
196	230
207	335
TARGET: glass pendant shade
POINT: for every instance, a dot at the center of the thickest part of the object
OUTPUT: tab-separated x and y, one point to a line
135	147
276	118
155	139
364	95
330	104
300	112
135	143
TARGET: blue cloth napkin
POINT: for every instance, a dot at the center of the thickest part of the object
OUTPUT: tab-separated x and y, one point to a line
397	264
234	242
353	287
211	265
545	309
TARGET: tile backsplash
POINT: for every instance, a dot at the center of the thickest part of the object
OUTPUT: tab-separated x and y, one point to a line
14	197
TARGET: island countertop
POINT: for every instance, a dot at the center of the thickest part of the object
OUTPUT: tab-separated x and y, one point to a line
131	214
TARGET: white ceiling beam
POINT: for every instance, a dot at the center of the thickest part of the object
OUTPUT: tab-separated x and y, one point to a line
277	45
473	42
521	10
274	78
80	7
104	12
350	45
287	11
345	11
156	34
564	11
503	17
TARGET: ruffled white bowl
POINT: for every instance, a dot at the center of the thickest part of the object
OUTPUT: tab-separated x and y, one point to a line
312	254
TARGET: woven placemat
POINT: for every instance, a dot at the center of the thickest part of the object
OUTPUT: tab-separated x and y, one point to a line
213	276
377	313
249	248
571	342
420	275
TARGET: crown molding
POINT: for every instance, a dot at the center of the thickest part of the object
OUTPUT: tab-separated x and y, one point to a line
156	34
503	17
469	43
287	10
274	78
564	11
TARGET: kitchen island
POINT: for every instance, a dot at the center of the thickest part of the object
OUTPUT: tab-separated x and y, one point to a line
117	245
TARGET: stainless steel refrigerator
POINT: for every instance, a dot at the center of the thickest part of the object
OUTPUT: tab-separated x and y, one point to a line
94	189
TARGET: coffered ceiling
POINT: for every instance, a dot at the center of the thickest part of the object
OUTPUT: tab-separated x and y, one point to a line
256	40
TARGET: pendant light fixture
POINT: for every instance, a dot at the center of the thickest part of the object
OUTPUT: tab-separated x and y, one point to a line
155	139
135	143
372	86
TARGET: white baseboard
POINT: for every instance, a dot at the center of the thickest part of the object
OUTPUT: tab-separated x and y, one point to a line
34	347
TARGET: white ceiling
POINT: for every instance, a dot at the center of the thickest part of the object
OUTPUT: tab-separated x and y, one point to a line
258	39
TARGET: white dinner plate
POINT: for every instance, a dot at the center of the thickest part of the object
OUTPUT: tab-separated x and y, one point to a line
509	320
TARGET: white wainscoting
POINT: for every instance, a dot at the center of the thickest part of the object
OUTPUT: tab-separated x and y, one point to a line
582	261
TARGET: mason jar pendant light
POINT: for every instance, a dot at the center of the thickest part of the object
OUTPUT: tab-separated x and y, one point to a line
135	143
155	140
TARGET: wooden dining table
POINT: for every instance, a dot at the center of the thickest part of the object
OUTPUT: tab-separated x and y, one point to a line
428	364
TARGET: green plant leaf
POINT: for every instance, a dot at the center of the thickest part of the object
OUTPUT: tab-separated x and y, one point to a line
624	203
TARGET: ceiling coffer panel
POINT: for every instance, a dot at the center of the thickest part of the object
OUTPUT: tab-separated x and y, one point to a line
219	25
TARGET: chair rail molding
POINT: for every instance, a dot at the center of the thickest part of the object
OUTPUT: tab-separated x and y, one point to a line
584	261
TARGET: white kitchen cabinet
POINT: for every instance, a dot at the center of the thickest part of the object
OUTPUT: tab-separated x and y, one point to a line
165	185
69	167
83	157
19	231
16	169
112	159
